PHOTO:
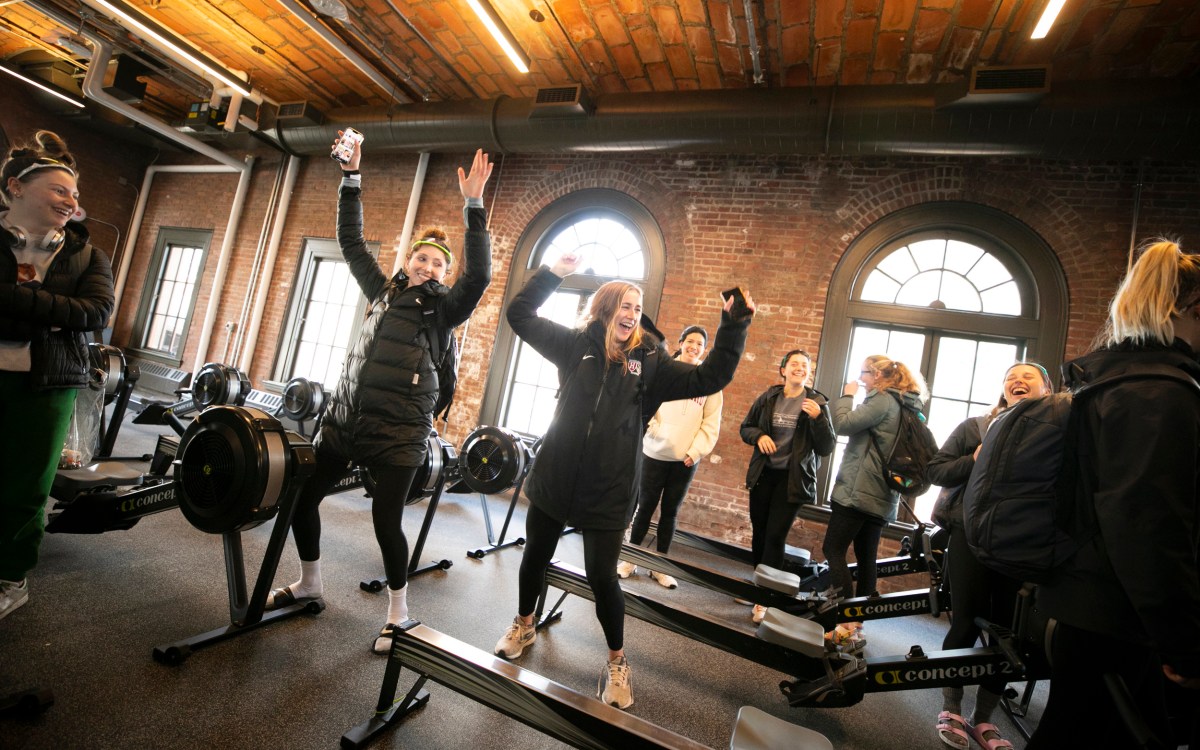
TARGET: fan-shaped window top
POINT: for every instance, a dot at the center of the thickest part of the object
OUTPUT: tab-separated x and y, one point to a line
608	246
945	274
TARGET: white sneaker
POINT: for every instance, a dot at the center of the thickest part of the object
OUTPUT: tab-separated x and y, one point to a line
758	614
625	569
12	595
616	684
515	640
664	580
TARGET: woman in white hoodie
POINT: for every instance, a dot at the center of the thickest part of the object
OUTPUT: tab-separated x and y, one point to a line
677	439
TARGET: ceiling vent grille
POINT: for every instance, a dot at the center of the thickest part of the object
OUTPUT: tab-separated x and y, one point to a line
562	101
1029	79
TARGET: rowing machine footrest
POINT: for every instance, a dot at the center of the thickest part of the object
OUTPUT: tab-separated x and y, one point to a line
758	730
799	555
790	631
777	580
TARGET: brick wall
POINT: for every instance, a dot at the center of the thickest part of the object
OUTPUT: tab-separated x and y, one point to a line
777	225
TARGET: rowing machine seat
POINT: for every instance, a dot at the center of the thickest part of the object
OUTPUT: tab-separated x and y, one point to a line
796	633
758	730
777	580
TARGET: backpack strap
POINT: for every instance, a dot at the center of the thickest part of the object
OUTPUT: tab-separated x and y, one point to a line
875	441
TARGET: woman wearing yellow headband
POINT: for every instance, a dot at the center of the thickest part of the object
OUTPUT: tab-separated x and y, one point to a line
381	413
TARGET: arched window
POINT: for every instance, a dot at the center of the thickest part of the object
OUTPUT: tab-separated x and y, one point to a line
618	239
957	291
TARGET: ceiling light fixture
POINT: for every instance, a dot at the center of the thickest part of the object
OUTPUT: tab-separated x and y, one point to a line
500	33
151	30
41	85
1047	20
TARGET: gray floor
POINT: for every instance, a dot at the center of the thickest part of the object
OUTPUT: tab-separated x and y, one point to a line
100	603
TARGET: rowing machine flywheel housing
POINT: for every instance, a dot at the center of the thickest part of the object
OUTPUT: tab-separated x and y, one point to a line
233	466
302	399
441	458
493	459
220	385
111	361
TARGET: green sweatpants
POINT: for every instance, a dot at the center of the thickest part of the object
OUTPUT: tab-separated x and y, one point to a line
33	425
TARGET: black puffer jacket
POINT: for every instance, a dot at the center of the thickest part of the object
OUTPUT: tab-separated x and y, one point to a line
1138	578
382	410
76	297
588	468
814	439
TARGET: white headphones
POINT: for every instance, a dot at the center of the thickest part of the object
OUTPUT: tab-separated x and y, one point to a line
53	241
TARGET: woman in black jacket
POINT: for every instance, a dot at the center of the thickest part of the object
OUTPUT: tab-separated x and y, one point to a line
1128	602
381	413
975	590
54	287
790	428
613	376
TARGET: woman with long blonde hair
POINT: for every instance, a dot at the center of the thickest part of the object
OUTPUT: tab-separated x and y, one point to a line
861	502
613	376
1127	604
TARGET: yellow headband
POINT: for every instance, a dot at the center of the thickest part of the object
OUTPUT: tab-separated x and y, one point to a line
443	248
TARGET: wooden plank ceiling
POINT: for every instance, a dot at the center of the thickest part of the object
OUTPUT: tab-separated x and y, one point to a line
436	50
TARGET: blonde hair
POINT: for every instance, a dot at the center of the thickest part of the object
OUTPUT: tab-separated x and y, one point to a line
603	306
1163	283
890	373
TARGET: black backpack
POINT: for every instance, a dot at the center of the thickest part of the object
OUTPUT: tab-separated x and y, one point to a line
1019	505
906	468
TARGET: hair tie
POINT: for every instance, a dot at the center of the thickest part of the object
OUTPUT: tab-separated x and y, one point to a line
439	246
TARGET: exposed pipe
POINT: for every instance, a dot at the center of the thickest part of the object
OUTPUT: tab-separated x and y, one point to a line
93	88
267	278
343	49
410	216
256	266
753	40
218	283
1115	120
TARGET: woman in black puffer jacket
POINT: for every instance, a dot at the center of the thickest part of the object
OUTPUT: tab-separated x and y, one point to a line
54	287
381	414
614	376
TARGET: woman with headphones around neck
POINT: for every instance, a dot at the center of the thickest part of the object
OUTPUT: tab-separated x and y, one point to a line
54	287
381	413
790	428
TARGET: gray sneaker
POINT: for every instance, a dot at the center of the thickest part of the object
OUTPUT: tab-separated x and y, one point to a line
616	684
515	640
12	595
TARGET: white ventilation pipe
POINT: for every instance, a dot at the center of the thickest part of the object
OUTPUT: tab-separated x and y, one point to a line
410	216
267	273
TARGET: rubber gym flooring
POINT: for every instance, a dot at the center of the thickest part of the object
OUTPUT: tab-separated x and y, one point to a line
99	604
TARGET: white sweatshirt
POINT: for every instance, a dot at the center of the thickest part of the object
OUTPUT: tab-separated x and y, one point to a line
684	428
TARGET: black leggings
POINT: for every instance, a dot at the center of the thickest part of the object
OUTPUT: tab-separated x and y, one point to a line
849	526
601	549
670	481
387	512
976	591
771	517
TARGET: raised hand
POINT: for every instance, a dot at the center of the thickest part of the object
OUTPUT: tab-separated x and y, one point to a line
566	264
472	184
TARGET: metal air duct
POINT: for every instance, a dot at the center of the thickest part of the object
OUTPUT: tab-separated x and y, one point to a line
1114	120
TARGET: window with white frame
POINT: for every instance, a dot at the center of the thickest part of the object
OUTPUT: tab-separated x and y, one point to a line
957	292
324	315
169	297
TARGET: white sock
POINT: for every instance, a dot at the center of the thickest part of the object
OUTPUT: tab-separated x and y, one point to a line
309	584
397	605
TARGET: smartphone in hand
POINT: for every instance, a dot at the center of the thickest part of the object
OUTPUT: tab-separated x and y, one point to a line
739	309
344	150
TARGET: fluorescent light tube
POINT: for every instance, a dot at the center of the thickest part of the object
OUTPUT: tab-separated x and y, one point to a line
42	86
1047	20
500	33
